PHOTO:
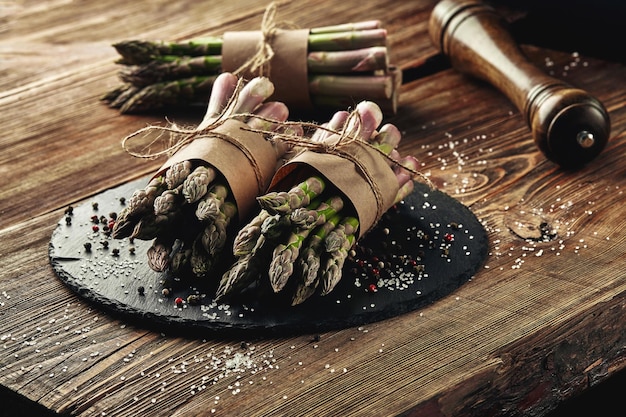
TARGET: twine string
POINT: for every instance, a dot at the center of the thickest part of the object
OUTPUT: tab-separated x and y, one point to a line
208	128
179	136
259	63
337	143
339	139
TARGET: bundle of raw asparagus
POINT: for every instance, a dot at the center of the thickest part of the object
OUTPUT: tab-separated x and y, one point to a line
345	64
190	203
303	232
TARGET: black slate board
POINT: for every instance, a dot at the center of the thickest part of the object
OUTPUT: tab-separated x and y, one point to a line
420	251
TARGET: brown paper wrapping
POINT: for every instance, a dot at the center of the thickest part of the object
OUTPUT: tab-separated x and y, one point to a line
246	160
351	179
288	66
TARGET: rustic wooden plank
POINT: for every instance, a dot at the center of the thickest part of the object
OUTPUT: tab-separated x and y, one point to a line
479	308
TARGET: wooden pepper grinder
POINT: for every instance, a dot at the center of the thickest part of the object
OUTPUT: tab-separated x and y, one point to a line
569	126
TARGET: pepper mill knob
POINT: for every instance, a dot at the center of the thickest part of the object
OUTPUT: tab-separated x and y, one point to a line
570	126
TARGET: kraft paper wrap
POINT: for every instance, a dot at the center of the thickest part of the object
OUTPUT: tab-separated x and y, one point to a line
246	160
287	68
354	181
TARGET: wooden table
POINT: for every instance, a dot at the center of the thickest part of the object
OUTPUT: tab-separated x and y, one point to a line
541	322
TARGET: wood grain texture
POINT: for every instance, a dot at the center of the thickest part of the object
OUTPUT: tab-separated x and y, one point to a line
540	323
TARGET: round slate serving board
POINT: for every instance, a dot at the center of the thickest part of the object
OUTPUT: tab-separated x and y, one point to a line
421	250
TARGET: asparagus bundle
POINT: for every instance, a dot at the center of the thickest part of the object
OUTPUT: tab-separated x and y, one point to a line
301	237
188	206
345	64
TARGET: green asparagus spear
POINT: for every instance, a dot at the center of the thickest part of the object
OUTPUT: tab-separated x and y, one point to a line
214	235
374	86
347	27
197	183
308	217
167	93
140	202
176	174
167	203
309	260
299	196
249	267
209	206
159	255
349	61
166	68
140	52
331	274
181	261
336	238
247	236
352	39
149	226
283	258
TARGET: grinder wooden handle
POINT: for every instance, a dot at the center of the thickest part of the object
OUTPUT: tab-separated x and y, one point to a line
569	126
